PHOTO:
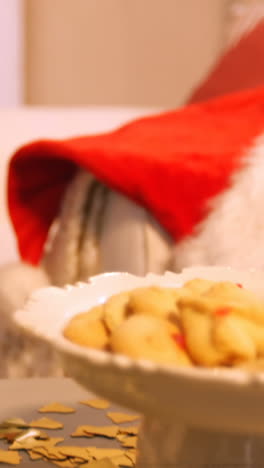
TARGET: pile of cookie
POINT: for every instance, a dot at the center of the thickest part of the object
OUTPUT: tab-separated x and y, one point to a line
203	323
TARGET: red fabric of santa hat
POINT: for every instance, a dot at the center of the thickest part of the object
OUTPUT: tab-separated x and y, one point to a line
172	164
241	67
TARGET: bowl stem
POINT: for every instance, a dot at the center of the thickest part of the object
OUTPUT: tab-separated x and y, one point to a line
170	444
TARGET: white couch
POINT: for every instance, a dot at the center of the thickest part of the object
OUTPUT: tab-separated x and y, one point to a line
22	125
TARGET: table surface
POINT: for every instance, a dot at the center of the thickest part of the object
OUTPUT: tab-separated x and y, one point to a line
23	397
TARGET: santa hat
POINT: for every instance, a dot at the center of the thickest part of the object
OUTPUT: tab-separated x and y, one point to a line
241	67
172	164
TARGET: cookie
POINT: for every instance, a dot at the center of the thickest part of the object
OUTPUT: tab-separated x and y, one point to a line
198	286
115	310
244	302
146	337
154	301
222	327
197	329
88	329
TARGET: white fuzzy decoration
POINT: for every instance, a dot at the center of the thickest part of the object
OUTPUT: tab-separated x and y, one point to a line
233	232
17	281
21	355
242	17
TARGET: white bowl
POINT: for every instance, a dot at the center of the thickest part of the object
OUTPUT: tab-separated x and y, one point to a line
187	411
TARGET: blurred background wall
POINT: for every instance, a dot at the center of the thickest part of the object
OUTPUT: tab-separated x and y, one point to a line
110	52
11	53
132	52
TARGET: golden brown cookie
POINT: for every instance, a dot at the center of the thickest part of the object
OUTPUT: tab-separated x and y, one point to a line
198	285
153	338
115	310
88	329
220	327
243	301
231	337
155	301
197	329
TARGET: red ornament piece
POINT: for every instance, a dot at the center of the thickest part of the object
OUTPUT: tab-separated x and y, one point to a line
223	311
180	340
